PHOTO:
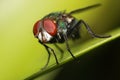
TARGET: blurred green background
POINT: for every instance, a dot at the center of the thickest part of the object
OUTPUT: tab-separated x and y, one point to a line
20	53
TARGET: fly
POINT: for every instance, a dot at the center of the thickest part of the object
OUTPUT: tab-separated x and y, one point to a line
58	27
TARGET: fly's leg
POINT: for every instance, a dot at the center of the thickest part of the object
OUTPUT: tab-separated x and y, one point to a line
88	29
59	50
67	46
47	59
48	48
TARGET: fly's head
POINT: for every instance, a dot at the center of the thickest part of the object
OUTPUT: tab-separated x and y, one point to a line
45	30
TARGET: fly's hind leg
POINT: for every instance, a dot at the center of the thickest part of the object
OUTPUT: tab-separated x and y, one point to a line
88	29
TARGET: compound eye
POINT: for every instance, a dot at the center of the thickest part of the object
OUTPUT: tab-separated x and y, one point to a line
36	28
50	27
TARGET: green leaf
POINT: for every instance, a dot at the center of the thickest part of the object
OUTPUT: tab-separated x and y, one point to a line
78	50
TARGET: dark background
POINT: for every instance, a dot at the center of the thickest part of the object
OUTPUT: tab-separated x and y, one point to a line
102	63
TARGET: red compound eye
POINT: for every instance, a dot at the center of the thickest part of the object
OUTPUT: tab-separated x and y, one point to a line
50	26
36	28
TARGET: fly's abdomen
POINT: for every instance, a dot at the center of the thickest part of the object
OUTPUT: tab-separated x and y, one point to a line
73	32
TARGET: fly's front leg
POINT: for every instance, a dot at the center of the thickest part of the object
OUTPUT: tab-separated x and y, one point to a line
48	48
47	59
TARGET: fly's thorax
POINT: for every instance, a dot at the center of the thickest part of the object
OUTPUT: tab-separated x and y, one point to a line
64	23
54	16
